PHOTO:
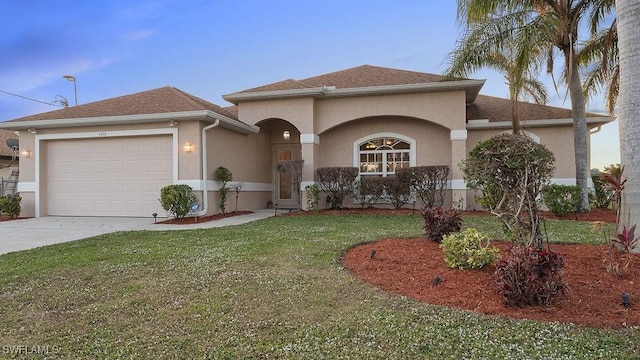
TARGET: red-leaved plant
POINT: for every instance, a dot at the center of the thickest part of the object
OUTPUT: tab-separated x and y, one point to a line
439	222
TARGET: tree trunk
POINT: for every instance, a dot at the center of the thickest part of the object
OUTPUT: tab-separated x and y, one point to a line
628	13
580	132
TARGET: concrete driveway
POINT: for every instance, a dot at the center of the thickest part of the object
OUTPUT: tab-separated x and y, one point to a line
16	235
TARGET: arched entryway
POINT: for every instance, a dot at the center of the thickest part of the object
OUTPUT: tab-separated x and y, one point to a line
285	145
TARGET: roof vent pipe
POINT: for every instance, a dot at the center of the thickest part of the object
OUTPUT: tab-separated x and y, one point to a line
205	170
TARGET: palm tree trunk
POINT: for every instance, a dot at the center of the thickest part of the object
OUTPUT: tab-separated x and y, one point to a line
580	133
628	12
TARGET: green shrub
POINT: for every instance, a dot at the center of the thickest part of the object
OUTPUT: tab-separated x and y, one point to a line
338	183
11	205
561	199
313	196
439	222
530	276
224	176
398	189
510	171
369	190
177	199
602	194
428	182
468	249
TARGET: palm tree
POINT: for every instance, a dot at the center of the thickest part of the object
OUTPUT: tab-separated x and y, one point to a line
553	24
519	64
628	13
599	55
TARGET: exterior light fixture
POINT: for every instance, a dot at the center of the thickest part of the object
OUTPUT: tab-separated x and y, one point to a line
75	87
25	152
187	146
286	135
32	130
172	123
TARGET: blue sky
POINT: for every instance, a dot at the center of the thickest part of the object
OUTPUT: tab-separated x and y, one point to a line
215	47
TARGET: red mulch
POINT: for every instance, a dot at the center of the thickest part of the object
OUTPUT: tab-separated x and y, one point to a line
408	267
201	219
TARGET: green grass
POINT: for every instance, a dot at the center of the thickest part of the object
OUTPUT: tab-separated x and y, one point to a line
268	289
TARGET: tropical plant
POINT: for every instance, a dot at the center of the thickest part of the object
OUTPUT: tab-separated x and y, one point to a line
176	199
543	25
530	276
510	171
439	222
468	249
237	188
10	205
517	57
224	176
600	57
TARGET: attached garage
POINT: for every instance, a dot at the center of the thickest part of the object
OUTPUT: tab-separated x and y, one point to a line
115	176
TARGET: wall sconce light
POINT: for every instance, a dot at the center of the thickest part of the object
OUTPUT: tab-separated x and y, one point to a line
286	135
172	123
187	146
25	152
32	131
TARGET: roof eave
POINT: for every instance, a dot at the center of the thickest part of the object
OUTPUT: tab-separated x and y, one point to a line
204	115
471	87
483	124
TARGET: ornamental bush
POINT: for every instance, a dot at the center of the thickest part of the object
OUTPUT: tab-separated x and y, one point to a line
369	190
439	222
561	199
398	190
338	183
510	171
224	176
468	249
176	200
428	182
530	276
11	205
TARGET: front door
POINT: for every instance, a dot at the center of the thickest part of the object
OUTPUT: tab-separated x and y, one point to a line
285	193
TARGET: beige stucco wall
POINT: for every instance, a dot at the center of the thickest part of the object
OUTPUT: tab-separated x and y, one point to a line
432	141
558	139
444	108
299	112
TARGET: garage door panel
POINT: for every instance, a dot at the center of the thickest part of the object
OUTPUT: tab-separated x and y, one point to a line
108	176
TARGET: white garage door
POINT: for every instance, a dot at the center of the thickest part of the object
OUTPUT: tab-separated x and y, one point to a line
108	176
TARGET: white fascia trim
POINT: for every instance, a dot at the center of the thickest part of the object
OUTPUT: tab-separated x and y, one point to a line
458	135
309	139
481	124
205	115
357	143
27	186
327	91
273	94
101	134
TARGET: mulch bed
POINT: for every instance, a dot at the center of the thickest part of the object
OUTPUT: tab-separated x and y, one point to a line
408	267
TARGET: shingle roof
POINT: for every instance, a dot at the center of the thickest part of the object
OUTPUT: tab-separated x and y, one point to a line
162	100
5	151
357	77
499	109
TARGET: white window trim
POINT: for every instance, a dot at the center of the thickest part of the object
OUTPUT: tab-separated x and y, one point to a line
362	140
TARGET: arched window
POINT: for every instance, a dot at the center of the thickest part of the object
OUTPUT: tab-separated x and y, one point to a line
383	154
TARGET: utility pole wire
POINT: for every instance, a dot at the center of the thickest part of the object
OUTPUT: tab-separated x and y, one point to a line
53	103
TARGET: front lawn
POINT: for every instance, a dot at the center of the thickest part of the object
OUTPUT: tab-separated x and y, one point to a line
268	289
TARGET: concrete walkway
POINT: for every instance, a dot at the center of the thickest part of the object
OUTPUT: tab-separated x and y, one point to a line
31	233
